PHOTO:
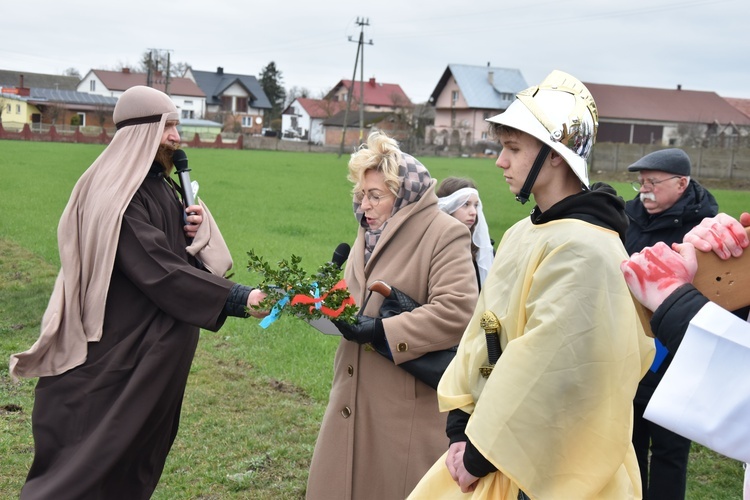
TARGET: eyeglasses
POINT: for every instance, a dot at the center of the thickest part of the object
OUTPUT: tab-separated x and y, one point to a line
373	198
650	183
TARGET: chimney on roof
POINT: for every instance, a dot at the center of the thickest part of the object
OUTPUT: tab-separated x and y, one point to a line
488	64
372	81
126	71
679	86
219	70
491	77
21	90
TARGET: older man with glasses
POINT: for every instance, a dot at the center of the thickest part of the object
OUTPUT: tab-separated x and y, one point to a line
668	205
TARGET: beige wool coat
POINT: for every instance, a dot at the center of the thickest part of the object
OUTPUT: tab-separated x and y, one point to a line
382	429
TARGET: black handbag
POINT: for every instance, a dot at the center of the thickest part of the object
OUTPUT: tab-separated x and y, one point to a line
429	367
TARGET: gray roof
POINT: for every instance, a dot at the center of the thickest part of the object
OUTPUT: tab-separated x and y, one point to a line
10	78
70	97
213	84
198	122
479	90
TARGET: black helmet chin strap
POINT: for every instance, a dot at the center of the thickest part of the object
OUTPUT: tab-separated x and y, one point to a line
523	196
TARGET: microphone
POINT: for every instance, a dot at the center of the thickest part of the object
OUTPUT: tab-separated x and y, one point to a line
341	254
179	158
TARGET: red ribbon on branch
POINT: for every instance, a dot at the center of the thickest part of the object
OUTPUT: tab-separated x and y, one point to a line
333	313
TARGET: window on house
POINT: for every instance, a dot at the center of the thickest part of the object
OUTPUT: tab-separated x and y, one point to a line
187	113
454	96
92	85
7	108
82	119
226	103
188	103
453	118
241	104
18	109
247	121
484	136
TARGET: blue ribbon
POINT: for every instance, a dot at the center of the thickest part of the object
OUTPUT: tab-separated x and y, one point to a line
316	294
275	312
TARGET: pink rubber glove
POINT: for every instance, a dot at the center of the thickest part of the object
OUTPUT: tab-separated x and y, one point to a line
655	272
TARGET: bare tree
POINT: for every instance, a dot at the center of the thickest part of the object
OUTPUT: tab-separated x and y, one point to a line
691	134
54	111
157	60
72	72
295	92
102	112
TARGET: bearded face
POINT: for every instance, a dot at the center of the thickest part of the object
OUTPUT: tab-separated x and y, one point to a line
164	157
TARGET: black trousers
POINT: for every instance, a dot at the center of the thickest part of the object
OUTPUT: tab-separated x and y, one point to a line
664	478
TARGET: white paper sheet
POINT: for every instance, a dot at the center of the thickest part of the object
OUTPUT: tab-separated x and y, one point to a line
705	393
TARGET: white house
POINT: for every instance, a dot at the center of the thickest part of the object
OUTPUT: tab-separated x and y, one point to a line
303	118
186	95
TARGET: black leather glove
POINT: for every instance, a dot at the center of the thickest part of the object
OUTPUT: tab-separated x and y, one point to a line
366	330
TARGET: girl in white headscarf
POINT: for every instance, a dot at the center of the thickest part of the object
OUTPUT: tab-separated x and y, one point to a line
459	197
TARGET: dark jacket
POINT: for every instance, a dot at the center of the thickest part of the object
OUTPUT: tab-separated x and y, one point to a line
669	226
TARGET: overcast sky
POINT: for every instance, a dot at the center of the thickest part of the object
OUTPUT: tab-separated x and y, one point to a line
699	44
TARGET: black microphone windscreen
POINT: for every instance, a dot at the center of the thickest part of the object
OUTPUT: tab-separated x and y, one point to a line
179	158
341	254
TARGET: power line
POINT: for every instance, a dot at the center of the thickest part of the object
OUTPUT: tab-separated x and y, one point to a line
360	58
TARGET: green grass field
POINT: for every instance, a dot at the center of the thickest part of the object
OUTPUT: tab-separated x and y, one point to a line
255	397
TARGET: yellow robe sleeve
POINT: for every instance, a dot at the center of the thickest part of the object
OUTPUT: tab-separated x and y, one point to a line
555	415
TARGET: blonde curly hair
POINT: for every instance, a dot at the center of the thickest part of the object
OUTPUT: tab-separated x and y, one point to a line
381	154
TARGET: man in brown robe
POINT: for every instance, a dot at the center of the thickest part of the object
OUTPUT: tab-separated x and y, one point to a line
122	325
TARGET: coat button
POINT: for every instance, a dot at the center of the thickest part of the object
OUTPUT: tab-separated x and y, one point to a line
346	412
402	347
350	370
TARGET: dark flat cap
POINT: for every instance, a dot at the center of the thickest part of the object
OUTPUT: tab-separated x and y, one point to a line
674	160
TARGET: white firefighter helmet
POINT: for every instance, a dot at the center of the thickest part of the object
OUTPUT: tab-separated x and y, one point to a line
561	113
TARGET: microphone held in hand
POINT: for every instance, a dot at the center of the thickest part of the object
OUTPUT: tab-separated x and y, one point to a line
179	158
341	254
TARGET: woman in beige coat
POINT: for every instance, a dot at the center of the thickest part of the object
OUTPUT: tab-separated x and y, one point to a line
382	429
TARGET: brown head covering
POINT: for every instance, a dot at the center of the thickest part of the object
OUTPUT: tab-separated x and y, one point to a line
88	232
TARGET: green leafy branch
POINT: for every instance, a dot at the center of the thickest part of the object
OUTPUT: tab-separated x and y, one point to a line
289	279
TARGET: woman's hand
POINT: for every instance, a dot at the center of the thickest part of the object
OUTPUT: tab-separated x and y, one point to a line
194	220
365	331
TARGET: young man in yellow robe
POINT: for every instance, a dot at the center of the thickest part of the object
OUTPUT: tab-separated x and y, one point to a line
540	392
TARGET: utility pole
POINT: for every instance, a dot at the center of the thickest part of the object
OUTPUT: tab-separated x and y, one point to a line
155	58
360	57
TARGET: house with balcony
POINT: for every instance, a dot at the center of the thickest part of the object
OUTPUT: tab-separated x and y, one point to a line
188	97
236	101
464	97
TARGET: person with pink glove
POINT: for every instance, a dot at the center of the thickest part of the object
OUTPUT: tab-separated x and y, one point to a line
661	278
